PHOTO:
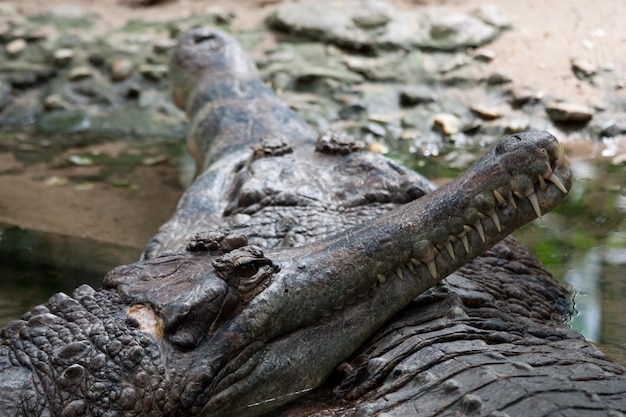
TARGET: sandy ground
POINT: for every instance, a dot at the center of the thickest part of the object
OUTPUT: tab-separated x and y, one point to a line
536	52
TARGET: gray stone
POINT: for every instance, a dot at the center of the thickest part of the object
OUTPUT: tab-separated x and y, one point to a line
450	31
373	24
416	95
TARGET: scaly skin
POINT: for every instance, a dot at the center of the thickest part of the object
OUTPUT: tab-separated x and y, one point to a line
215	323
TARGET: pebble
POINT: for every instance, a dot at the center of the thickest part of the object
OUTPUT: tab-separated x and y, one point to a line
446	123
522	95
63	57
484	55
121	69
486	112
614	128
163	46
568	112
80	73
497	78
155	72
55	102
15	47
583	68
413	96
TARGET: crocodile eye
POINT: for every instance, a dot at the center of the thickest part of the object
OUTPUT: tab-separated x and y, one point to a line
247	270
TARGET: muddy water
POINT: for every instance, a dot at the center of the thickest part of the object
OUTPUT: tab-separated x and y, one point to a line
582	242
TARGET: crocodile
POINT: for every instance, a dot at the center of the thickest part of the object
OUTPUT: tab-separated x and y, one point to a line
303	275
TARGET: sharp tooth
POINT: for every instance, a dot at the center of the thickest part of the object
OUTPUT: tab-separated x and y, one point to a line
465	243
415	261
381	278
534	201
496	221
432	267
513	203
499	197
450	250
481	231
557	181
399	273
542	183
562	159
518	194
410	266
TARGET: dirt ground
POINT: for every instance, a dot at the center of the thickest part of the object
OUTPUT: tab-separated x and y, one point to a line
536	52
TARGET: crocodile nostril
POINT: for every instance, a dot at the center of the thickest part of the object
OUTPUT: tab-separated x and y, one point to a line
204	37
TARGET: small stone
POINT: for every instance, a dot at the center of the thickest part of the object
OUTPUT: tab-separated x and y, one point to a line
163	46
448	124
413	96
522	95
492	15
80	73
484	55
516	126
613	128
583	68
486	112
498	78
121	69
55	102
568	112
371	19
377	147
15	47
63	57
155	72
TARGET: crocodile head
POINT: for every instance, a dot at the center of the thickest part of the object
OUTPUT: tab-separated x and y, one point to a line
244	330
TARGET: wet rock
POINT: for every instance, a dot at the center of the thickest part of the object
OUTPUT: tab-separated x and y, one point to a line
15	47
374	24
448	124
412	96
568	112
